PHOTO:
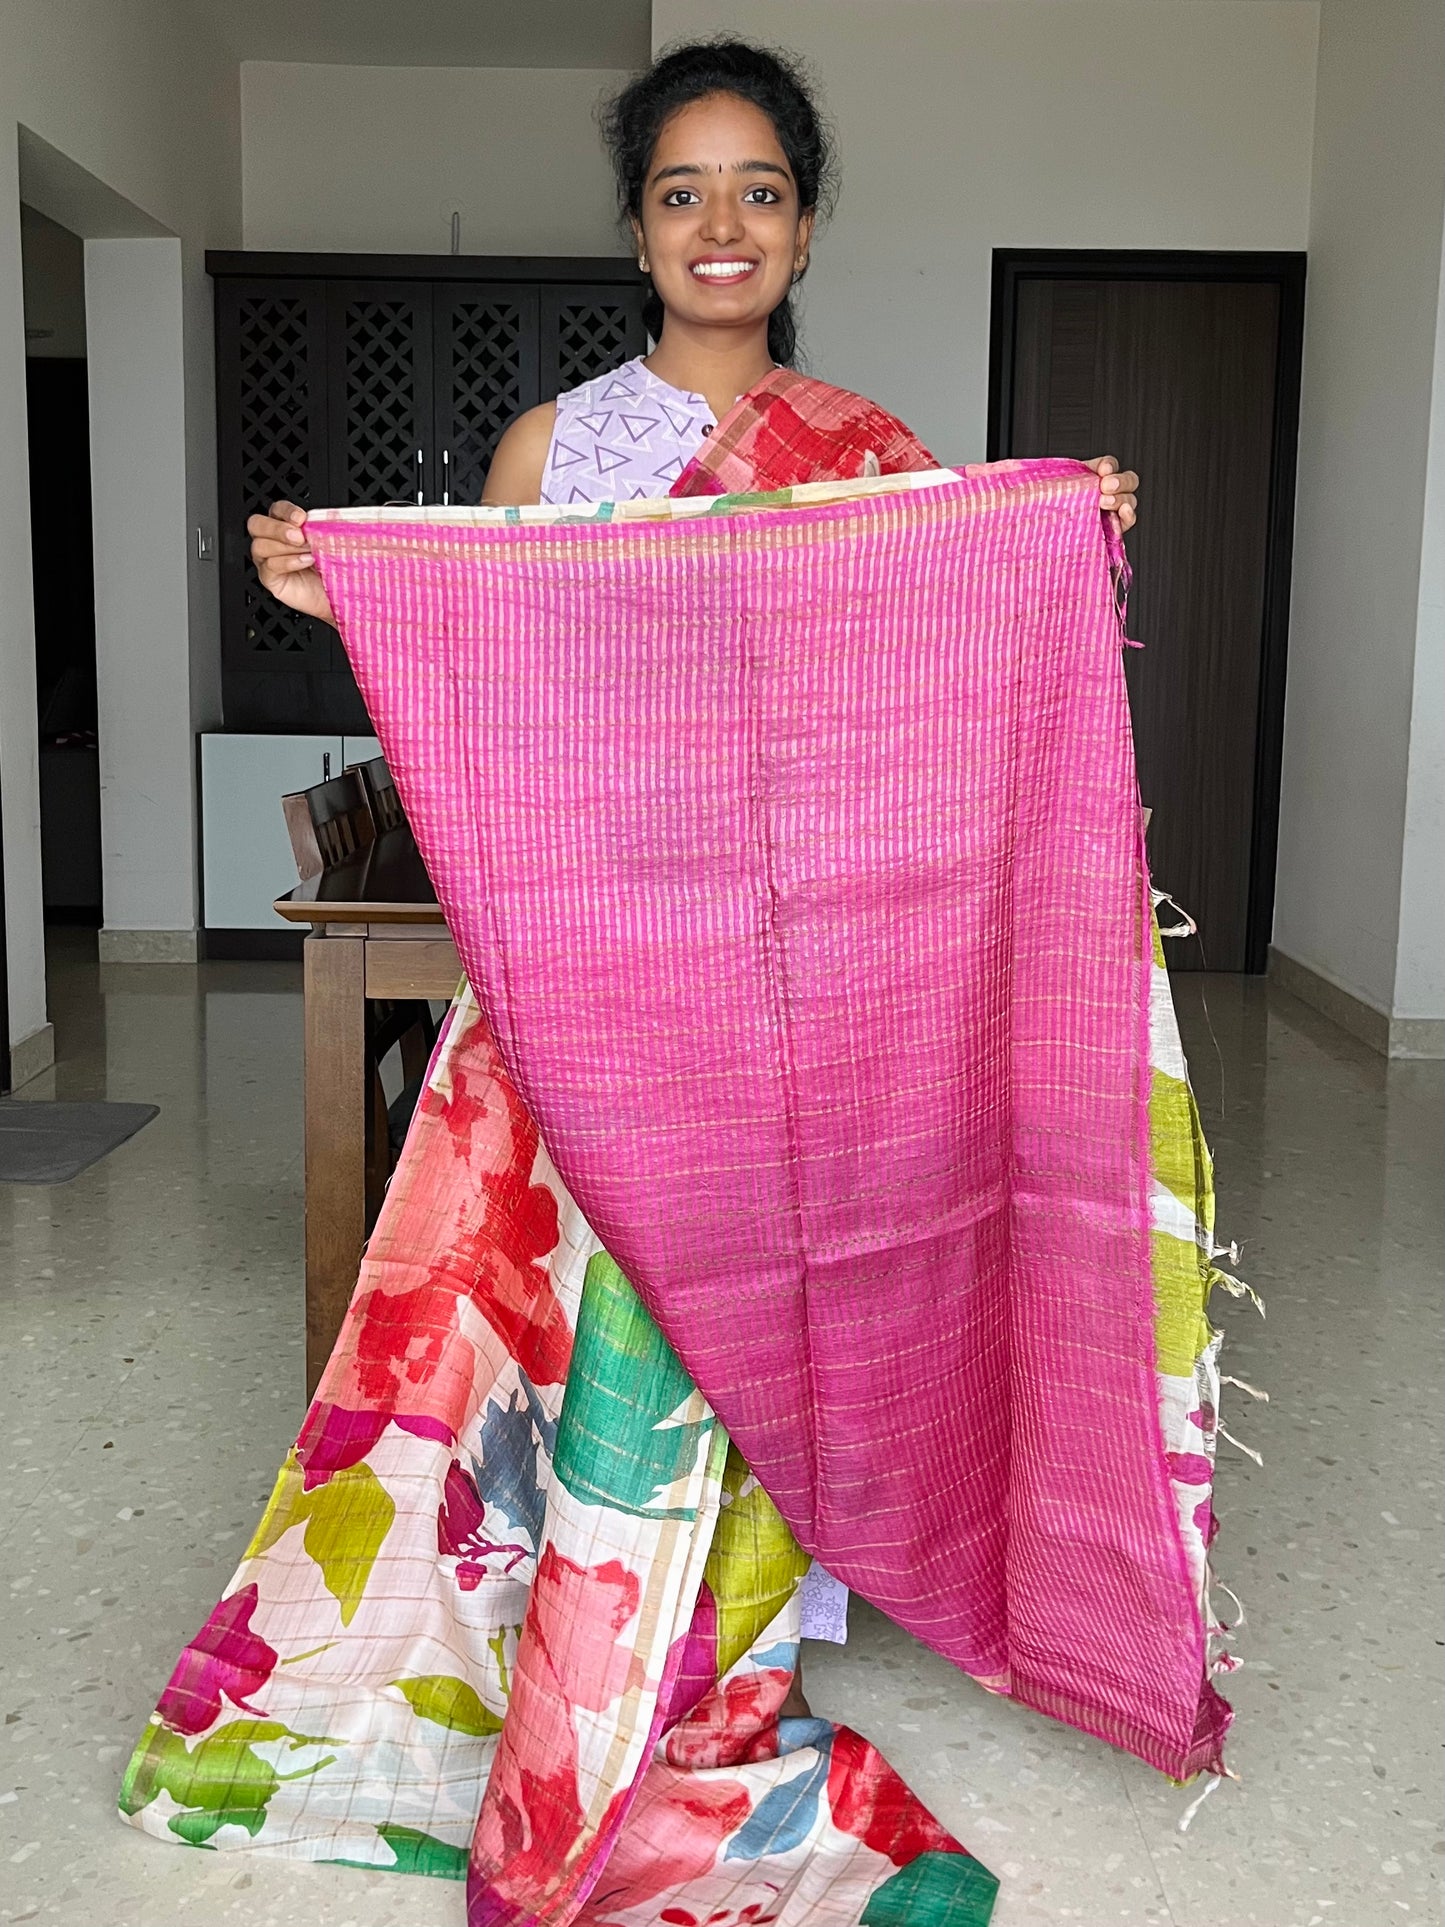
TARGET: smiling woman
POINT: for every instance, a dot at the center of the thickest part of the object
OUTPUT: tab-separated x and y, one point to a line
545	1599
724	165
721	185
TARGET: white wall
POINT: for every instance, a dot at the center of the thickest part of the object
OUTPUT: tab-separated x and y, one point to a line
375	159
1420	967
134	323
137	117
1024	123
1354	767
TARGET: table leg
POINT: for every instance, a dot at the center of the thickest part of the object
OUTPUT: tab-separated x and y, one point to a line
336	1104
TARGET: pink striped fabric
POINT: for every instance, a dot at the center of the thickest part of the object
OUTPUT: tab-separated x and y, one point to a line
795	855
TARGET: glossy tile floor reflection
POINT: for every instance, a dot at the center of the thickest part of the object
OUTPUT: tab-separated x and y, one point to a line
150	1324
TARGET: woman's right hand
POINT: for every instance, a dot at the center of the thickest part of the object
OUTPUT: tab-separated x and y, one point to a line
284	562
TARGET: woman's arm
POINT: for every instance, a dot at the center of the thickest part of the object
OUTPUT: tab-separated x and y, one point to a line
282	554
515	476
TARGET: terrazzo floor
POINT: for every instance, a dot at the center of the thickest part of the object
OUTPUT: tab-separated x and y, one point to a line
150	1342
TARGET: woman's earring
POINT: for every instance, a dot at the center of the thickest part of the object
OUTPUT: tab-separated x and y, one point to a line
642	262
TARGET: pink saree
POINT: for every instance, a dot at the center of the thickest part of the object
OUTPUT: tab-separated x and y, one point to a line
812	1173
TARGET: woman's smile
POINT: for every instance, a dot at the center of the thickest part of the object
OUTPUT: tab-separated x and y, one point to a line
726	268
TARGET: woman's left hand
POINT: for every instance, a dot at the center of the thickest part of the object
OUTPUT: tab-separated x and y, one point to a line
1118	489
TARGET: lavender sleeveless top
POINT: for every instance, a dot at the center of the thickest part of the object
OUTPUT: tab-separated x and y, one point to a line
618	436
621	435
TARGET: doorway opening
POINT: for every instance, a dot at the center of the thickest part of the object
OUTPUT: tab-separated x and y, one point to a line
67	703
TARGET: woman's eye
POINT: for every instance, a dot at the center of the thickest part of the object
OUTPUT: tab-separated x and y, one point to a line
762	196
679	197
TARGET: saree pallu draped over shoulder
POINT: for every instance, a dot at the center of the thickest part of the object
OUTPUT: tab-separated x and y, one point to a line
810	1171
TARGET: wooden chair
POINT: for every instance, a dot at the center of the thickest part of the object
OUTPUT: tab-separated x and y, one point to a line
381	793
332	824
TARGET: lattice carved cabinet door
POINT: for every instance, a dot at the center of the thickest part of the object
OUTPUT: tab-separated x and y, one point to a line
485	375
380	393
271	445
588	330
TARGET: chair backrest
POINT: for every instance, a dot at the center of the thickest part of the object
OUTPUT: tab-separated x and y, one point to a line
381	791
329	824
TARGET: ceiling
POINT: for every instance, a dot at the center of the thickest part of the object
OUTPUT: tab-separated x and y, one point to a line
437	33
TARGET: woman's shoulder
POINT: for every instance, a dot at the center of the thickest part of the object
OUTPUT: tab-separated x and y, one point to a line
521	457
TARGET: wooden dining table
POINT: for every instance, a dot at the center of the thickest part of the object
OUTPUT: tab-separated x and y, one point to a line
376	933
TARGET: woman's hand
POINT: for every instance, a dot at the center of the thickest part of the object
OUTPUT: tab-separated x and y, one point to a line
1118	492
284	561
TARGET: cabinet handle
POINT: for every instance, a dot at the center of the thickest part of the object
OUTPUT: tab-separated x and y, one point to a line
446	478
420	492
326	765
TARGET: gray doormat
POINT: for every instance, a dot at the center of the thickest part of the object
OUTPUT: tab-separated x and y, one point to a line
43	1143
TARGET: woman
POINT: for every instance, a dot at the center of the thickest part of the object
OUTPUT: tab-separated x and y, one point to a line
722	165
621	1768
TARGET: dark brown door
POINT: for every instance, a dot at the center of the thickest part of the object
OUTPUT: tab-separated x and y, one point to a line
1181	376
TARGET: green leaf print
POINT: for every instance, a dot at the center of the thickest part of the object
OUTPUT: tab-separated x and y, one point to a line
346	1521
754	1564
415	1853
935	1890
221	1778
281	1513
449	1702
1177	1155
632	1421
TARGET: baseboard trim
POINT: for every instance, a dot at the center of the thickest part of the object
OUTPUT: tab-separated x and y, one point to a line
1404	1037
32	1055
1418	1037
148	947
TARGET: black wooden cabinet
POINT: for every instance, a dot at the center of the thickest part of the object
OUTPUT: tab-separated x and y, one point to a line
348	380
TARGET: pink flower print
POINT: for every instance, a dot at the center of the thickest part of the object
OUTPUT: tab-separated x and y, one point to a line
736	1724
224	1657
692	1662
575	1616
1205	1418
674	1834
1206	1522
333	1437
750	1916
1189	1468
460	1533
867	1799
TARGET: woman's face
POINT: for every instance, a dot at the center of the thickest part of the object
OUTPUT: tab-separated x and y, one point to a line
721	229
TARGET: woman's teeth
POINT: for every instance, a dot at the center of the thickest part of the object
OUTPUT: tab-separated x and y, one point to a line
722	270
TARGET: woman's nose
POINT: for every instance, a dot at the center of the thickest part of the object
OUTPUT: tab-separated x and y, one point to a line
722	222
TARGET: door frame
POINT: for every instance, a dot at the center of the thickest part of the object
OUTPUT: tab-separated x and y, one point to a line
1286	271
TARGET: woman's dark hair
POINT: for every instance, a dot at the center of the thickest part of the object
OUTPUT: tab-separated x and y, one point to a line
772	81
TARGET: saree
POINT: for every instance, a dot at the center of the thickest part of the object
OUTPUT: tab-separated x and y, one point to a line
524	1603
